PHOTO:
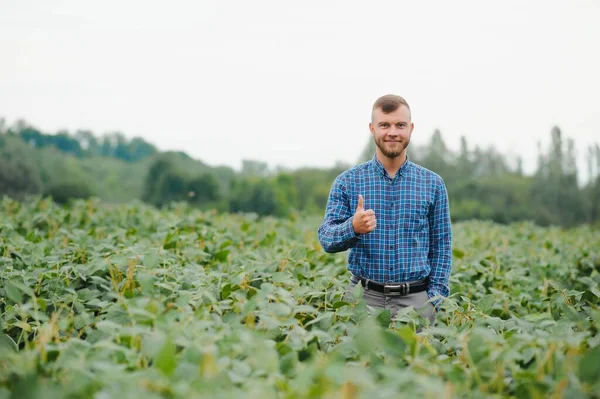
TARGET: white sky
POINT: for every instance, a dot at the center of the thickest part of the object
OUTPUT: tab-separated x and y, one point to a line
292	83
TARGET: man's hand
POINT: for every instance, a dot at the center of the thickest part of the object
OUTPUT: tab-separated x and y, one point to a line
363	221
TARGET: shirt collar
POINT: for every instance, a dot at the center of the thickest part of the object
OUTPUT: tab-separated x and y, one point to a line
380	169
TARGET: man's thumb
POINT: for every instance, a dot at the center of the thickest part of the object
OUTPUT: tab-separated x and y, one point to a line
361	203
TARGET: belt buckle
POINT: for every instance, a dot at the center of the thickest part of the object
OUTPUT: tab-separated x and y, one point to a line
404	288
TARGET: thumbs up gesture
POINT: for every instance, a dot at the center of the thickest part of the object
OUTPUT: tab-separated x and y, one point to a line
363	221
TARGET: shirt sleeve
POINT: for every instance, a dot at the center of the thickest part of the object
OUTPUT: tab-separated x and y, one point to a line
336	233
440	245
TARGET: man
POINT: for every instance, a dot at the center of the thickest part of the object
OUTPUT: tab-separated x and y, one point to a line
393	215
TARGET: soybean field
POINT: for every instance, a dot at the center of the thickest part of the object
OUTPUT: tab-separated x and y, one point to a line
128	301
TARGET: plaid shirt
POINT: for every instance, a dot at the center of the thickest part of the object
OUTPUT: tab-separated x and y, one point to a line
413	237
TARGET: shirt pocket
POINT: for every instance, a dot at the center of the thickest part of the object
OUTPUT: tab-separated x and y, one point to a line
414	216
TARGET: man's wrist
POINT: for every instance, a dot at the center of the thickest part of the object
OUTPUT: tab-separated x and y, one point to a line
349	231
353	228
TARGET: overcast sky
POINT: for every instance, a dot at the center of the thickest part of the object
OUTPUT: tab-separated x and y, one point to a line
292	83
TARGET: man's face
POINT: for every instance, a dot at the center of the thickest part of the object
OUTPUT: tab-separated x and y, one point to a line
392	131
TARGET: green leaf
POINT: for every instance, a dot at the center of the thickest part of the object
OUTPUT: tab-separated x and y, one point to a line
225	291
408	335
34	387
221	256
323	317
305	309
171	241
339	304
368	336
486	303
13	293
384	318
165	359
589	366
23	325
150	260
458	253
225	244
288	363
7	344
477	346
394	344
27	387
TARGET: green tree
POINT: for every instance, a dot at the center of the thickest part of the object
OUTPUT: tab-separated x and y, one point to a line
203	189
166	182
66	191
140	149
591	191
157	184
556	191
18	175
464	164
256	195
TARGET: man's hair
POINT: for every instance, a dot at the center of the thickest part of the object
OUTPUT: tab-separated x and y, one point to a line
390	103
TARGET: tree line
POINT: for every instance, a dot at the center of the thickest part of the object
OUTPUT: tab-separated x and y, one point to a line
482	183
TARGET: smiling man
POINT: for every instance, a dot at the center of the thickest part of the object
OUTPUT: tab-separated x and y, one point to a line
394	217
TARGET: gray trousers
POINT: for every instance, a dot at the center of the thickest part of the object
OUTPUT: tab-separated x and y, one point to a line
375	299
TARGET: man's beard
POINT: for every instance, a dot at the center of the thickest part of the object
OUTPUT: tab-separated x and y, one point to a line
391	153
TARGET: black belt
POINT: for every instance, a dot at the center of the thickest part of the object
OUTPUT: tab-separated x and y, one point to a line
396	289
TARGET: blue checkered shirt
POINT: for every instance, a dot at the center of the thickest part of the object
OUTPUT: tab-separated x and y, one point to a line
413	237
